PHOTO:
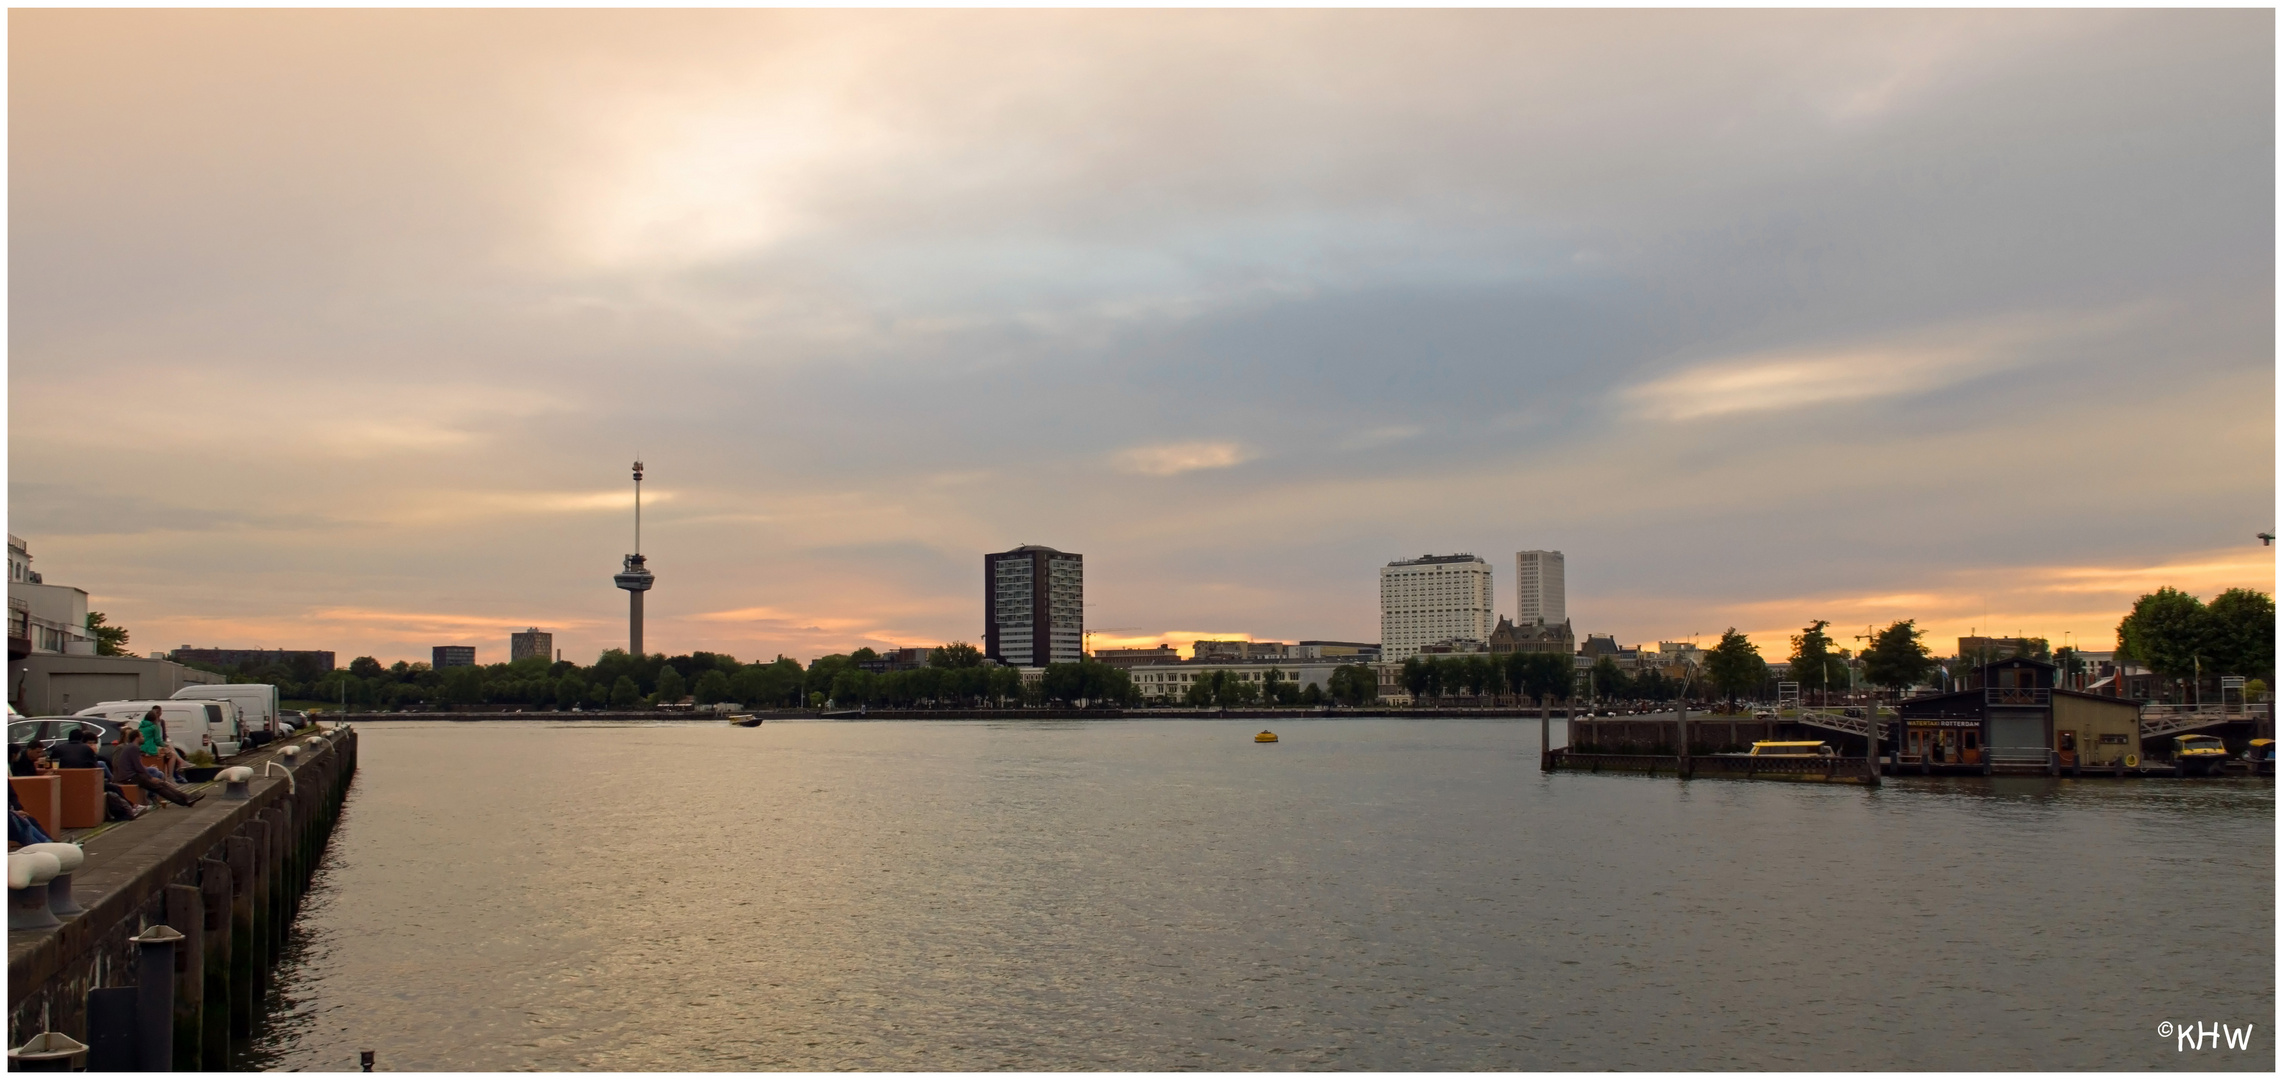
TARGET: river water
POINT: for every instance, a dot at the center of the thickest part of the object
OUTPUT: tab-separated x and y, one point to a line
1366	894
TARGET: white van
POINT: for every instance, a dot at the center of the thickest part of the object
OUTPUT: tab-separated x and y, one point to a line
257	701
189	725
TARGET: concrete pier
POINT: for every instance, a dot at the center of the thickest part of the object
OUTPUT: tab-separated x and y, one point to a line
227	874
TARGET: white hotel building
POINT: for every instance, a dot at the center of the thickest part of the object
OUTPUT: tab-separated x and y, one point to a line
1429	599
1538	589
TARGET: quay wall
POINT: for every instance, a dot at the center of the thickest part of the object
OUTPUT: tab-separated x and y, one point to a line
1708	733
227	874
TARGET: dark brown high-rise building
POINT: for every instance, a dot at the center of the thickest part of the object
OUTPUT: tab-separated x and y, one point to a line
1034	606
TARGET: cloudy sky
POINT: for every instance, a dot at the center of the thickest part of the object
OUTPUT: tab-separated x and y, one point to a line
339	329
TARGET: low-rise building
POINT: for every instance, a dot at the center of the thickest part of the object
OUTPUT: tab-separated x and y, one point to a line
1353	651
1532	637
2017	718
444	656
1222	649
43	618
1127	658
314	659
1163	684
904	659
53	668
59	684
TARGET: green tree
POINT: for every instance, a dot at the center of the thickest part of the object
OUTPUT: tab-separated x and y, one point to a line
624	694
1897	658
365	667
671	687
1312	695
851	686
2239	635
570	691
1545	676
1608	679
1415	676
955	654
1735	665
712	688
823	670
1813	666
464	686
1354	684
109	640
2165	630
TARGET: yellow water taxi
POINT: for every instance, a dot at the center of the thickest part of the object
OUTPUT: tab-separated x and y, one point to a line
1265	736
2199	754
1775	748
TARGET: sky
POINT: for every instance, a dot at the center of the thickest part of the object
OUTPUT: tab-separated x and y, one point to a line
339	330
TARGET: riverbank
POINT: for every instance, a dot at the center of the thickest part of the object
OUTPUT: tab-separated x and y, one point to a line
228	874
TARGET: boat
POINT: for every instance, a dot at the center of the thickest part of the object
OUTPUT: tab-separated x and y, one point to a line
745	721
2199	755
1265	736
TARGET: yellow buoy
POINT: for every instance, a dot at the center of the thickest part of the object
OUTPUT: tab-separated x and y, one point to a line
1265	736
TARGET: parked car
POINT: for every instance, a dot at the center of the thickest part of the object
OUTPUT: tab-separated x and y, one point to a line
51	730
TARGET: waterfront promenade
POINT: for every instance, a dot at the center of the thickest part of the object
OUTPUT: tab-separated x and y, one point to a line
226	873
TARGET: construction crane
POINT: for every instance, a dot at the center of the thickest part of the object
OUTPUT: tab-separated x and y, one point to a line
1104	630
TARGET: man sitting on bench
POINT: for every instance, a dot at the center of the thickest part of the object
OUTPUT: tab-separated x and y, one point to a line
127	765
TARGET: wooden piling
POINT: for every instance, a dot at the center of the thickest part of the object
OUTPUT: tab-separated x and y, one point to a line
185	911
243	948
214	1021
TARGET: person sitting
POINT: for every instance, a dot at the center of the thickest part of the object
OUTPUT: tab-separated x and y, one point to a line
157	752
22	829
127	762
74	753
77	751
24	760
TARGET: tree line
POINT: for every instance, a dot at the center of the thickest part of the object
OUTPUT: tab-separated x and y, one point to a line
2171	632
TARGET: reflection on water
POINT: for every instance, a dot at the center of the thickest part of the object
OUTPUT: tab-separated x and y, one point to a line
1366	894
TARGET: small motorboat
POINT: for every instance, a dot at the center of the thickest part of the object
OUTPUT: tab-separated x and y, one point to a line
1265	736
745	721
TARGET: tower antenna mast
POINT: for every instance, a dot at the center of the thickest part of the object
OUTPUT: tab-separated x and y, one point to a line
635	578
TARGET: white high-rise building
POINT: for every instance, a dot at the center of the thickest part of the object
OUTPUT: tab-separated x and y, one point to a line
1430	599
1538	588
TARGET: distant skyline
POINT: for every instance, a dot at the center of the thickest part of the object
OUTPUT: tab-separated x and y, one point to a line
337	329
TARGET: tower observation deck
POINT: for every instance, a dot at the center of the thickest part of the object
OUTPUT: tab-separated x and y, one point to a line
635	578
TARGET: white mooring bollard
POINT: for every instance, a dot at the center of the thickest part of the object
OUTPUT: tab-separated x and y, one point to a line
28	877
234	782
69	856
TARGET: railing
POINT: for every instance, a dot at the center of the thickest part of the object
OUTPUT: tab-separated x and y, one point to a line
1839	721
2157	721
2017	695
